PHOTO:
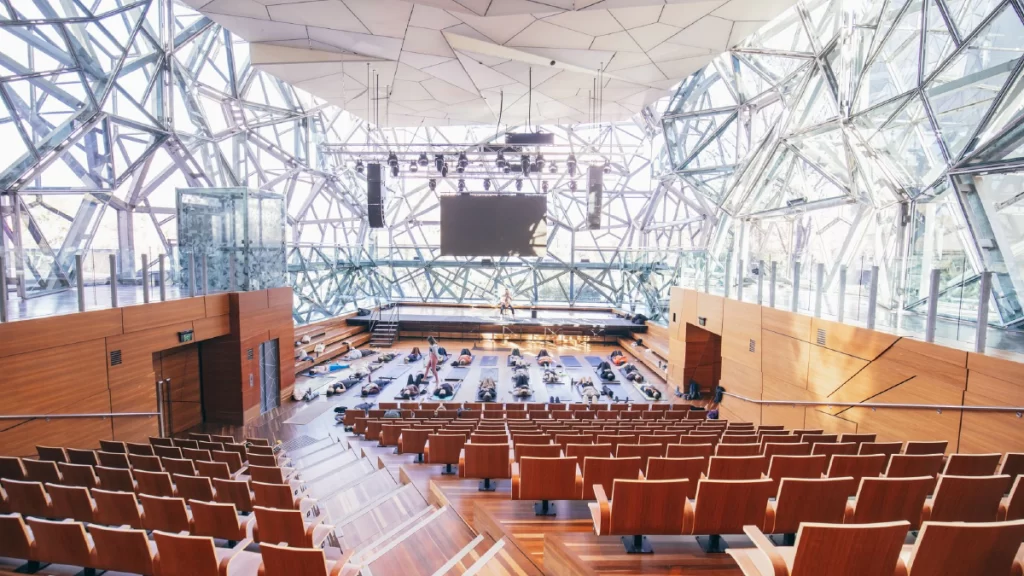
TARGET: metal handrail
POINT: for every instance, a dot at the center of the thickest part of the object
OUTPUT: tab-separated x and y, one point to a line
1018	409
97	415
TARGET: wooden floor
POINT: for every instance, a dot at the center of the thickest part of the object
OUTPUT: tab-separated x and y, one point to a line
531	546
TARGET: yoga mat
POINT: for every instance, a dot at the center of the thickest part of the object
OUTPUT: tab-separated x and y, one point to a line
457	374
491	373
390	371
571	362
594	361
489	361
311	411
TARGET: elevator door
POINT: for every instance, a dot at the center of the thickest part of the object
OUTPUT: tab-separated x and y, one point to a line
270	384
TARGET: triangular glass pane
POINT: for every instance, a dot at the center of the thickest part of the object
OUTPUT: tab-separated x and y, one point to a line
895	66
774	66
825	19
910	147
968	14
890	12
872	120
1010	109
826	149
721	151
815	106
965	88
939	43
692	131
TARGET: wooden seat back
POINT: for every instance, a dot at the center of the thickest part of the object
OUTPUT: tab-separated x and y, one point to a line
771	449
643	451
857	438
990	548
705	451
830	449
801	500
726	506
737	438
616	439
274	495
888	449
155	441
262	460
217	520
839	550
564	440
582	451
735	467
139	449
117	508
485	461
444	448
145	463
971	464
71	502
199	436
185	443
1012	507
123	549
191	487
917	447
604	471
267	474
889	500
537	451
796	467
213	470
819	438
180	555
52	453
647	507
113	459
223	439
1013	464
389	434
196	454
115	479
62	543
15	539
162	513
28	498
167	451
41	471
279	525
154	483
83	457
234	492
738	450
914	465
412	440
698	439
286	561
530	438
487	438
547	478
78	475
689	469
966	498
178	466
856	467
113	446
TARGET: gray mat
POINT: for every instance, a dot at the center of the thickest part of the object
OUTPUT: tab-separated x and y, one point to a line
390	371
457	374
491	373
594	361
489	361
571	362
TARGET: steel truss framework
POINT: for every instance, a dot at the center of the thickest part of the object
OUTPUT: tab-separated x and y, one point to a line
856	132
107	106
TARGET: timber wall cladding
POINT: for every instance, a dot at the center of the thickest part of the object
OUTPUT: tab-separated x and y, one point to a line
770	354
62	365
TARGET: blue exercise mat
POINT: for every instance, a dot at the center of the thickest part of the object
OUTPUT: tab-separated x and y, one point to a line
571	362
457	374
489	361
594	361
491	373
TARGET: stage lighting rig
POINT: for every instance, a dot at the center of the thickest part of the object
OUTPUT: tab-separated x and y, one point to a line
500	160
462	185
570	164
463	162
553	168
519	184
359	166
444	170
394	171
525	165
539	161
413	167
487	184
432	184
423	159
438	161
572	185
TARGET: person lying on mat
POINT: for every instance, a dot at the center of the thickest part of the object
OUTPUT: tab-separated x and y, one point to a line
518	362
543	358
412	387
444	390
488	390
632	373
587	389
370	388
521	377
517	353
650	391
464	358
618	358
604	370
415	355
552	377
522	392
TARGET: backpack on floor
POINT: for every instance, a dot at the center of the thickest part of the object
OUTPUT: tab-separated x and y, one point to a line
694	393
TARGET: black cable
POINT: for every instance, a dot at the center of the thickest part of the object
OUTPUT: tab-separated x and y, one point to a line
501	108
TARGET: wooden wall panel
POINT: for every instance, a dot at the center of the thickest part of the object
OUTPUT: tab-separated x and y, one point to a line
689	310
52	380
996	367
676	322
828	370
997	392
785	358
741	331
736	410
874	379
860	342
212	327
21	438
156	314
137	351
792	417
912	358
787	323
893	424
985	432
139	396
815	419
740	379
56	331
217	305
711	308
944	354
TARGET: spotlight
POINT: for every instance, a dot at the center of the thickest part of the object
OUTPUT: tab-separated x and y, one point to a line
525	165
507	168
487	183
570	164
500	160
438	161
394	171
413	167
572	185
392	160
553	168
423	159
534	167
540	162
462	185
359	166
432	184
519	184
463	161
544	186
444	170
607	168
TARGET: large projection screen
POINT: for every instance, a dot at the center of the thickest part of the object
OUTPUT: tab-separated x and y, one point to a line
494	225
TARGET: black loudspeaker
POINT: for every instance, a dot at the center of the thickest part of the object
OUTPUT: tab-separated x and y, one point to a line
595	185
375	195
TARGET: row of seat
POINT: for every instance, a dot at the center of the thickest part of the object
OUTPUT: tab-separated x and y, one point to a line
518	415
528	406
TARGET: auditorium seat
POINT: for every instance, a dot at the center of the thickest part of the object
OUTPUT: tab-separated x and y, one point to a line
117	508
918	448
488	438
113	446
604	471
582	451
888	500
444	449
616	439
773	449
546	479
155	441
536	451
796	467
530	438
18	542
191	487
705	451
735	438
799	500
738	450
486	462
145	463
120	549
690	469
564	440
1013	464
286	561
63	543
1012	507
830	449
162	513
116	479
857	438
78	475
275	475
178	466
699	439
889	449
28	498
780	439
235	492
275	526
139	449
966	499
915	465
52	453
41	471
959	549
856	467
281	496
186	443
831	549
725	507
213	470
735	467
181	555
412	441
154	483
972	464
72	502
643	451
638	507
113	459
199	437
83	457
218	520
196	454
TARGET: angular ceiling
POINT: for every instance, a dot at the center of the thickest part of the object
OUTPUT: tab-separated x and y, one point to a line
450	62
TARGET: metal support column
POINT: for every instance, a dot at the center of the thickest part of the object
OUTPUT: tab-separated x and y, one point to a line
707	275
162	282
795	304
80	282
3	286
727	278
145	278
819	290
872	297
232	281
192	275
771	287
160	408
842	293
206	277
760	282
113	281
984	293
933	305
739	280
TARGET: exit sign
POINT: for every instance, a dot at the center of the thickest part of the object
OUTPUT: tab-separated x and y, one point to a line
186	336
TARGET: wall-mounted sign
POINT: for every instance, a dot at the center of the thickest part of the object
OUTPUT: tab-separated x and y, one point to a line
186	336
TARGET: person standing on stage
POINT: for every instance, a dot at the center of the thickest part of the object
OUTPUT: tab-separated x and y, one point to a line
506	302
433	358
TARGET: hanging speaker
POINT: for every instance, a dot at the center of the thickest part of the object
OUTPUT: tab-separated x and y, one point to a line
595	185
375	195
